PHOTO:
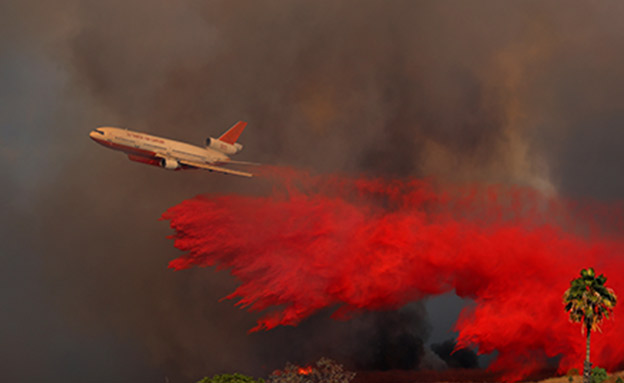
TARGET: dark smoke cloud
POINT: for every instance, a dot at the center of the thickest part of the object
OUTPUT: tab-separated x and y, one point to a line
525	93
461	358
380	340
382	89
397	344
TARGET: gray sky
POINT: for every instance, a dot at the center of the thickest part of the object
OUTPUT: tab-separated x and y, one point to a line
523	93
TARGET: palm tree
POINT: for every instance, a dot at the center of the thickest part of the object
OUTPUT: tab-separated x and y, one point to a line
588	301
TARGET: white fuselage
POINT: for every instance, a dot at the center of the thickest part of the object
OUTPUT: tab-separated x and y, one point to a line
150	149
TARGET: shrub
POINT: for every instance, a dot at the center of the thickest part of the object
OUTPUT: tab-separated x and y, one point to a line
325	371
598	375
230	378
573	372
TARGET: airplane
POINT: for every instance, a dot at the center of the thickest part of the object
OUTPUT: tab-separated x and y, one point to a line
175	155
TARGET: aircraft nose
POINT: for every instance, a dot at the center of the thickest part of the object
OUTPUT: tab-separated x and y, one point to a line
96	135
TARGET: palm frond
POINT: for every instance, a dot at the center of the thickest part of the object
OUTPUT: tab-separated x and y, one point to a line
588	300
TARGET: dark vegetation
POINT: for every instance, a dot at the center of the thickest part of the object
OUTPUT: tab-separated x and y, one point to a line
323	371
589	301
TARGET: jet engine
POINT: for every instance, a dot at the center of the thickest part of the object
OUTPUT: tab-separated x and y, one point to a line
223	147
169	164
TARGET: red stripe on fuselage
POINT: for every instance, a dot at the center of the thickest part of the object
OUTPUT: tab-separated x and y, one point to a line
144	160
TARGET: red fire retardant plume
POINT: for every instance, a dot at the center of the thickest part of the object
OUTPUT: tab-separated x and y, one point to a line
367	244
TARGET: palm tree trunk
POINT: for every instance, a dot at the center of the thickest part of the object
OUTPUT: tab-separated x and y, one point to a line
587	365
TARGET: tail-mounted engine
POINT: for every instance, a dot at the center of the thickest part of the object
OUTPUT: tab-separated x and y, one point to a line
223	147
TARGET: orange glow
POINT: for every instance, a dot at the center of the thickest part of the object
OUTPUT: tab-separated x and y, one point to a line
305	370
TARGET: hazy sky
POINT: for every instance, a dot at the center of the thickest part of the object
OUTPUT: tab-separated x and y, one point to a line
526	93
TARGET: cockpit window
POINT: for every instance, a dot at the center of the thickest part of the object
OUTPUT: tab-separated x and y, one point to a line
99	131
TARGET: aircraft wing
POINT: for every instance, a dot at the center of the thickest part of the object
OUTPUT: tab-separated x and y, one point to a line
241	163
214	168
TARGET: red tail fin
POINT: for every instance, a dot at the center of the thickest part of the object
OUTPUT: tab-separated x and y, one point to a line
233	133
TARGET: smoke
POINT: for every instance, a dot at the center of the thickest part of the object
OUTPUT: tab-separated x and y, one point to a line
455	358
380	88
370	244
521	94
